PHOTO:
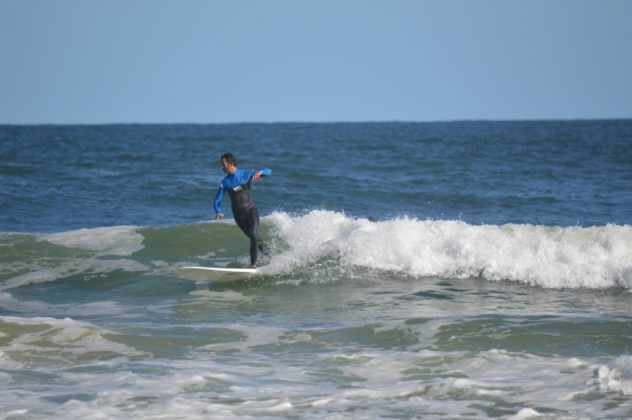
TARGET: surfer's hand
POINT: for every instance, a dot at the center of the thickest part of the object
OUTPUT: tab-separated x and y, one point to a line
219	216
256	176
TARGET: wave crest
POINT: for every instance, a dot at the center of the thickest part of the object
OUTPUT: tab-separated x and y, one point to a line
552	257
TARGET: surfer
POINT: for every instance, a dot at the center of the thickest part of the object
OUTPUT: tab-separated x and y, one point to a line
237	184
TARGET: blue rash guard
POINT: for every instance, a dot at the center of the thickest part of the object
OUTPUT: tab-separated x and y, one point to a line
236	183
246	214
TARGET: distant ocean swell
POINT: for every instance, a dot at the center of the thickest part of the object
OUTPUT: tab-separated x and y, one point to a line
549	257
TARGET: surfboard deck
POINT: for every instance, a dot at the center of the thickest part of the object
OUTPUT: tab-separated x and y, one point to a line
215	274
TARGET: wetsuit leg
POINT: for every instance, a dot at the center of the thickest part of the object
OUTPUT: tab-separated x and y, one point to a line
248	222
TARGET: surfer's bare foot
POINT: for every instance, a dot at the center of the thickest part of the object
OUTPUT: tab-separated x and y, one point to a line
253	266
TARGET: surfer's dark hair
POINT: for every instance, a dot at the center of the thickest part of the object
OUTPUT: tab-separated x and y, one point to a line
229	158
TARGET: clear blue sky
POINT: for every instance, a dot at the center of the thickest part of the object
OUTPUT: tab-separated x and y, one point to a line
79	61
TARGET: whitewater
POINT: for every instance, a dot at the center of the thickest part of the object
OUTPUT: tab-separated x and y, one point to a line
552	257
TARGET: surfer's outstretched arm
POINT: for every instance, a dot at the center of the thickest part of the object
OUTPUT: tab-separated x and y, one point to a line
218	200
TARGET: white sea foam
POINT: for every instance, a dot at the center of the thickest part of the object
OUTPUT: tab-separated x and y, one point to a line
104	244
99	308
552	257
226	296
526	413
116	240
379	383
253	337
49	340
409	380
87	267
617	378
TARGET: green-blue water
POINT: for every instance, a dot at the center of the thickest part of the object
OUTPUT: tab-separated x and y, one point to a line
429	270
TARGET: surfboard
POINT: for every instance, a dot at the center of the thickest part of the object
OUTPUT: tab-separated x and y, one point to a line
215	274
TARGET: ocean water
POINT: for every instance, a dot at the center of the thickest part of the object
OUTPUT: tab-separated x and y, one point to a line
418	270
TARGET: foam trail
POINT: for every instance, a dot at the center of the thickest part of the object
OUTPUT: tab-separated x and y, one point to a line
87	267
51	341
50	264
552	257
116	240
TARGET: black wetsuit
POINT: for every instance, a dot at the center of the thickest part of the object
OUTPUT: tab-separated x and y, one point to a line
246	214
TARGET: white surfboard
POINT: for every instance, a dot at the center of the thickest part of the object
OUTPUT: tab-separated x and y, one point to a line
215	274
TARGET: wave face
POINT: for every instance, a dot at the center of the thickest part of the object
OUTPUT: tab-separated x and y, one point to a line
552	257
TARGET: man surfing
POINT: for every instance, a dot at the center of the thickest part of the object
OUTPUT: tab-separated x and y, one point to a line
237	183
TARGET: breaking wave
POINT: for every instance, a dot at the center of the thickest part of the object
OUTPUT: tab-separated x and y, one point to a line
544	256
551	257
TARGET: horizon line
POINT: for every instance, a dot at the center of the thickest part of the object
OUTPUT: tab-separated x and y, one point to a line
254	122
